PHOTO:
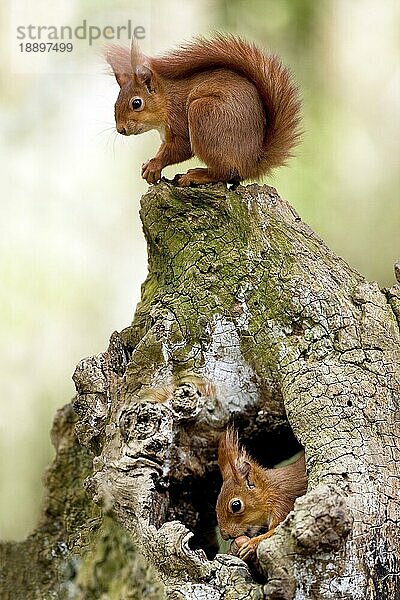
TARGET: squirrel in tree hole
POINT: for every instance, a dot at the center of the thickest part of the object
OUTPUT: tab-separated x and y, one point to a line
222	100
254	500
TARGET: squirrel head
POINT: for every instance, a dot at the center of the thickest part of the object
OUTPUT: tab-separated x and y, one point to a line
140	105
246	500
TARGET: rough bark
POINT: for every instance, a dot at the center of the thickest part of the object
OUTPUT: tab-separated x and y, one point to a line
246	313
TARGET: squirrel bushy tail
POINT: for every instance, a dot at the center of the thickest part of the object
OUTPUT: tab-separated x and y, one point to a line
278	92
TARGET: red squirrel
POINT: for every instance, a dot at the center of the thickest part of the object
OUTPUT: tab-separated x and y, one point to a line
254	499
222	100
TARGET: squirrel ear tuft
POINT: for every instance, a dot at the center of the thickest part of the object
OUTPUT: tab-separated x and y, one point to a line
118	58
228	454
137	58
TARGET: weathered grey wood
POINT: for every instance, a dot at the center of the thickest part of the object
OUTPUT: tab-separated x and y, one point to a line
244	312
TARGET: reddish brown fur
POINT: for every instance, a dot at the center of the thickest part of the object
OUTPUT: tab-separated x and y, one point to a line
267	495
222	100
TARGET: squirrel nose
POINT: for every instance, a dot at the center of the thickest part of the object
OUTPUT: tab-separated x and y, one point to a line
122	130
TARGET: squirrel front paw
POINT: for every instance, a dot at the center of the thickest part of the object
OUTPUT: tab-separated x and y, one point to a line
247	548
243	547
151	170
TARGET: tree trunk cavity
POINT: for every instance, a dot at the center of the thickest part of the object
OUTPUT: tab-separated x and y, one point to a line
245	314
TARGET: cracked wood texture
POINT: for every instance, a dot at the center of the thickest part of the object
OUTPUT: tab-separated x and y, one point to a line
245	313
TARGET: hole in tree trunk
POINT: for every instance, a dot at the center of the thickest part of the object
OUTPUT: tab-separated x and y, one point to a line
192	500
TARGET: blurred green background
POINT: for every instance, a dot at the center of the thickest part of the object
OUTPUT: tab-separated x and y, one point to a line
72	251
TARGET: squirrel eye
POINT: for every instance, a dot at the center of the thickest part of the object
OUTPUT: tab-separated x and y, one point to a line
136	103
236	505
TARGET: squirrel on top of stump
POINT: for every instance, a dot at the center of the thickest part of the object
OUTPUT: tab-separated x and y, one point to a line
222	100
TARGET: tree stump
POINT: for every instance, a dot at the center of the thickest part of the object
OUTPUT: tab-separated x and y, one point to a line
245	315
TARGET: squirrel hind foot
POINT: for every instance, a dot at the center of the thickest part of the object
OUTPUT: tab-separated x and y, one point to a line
198	176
